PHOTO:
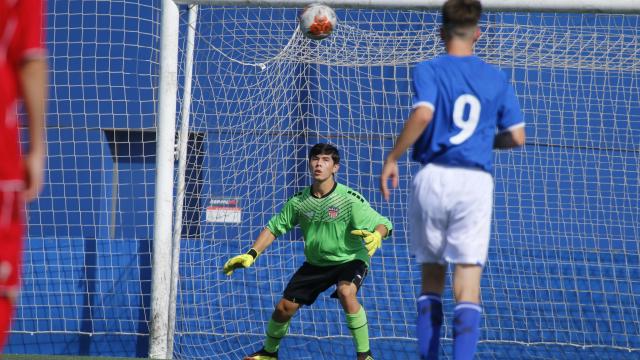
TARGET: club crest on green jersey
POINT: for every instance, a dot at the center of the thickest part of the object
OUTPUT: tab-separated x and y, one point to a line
333	212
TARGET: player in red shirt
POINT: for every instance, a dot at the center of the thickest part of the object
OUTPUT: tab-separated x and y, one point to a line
23	76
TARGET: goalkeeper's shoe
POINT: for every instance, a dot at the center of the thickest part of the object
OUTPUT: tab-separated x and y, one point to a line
263	355
365	355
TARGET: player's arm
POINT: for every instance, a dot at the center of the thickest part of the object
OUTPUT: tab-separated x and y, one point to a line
32	74
278	225
369	225
509	138
30	67
414	127
372	240
510	121
263	241
245	260
382	230
419	119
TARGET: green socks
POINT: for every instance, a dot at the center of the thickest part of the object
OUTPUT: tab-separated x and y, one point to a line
357	324
359	327
275	332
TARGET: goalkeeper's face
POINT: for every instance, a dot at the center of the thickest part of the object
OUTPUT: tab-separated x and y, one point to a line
322	167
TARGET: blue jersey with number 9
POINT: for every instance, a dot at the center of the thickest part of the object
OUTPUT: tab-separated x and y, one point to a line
470	99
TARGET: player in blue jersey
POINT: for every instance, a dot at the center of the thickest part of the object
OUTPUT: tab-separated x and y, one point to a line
459	103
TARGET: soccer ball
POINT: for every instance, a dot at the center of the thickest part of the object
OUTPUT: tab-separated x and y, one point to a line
317	21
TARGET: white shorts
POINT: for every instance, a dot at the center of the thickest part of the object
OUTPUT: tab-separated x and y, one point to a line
450	214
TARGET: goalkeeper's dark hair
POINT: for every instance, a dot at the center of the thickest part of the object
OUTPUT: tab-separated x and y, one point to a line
325	149
460	15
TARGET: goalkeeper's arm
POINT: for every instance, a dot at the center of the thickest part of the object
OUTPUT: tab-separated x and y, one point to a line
382	229
245	260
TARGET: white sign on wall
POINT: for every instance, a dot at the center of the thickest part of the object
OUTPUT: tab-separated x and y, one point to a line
224	211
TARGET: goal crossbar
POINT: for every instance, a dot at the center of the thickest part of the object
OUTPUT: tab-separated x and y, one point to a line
596	6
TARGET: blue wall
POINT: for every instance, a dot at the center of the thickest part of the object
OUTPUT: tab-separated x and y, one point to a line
87	275
88	255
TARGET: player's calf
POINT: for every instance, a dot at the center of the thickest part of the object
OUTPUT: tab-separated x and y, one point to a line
429	323
466	330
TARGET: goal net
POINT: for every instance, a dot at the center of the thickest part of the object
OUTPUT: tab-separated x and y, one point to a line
564	262
562	278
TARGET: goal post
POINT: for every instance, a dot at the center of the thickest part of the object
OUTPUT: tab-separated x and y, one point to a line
162	227
564	258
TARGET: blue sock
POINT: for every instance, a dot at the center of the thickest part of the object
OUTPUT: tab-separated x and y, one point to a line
429	324
466	330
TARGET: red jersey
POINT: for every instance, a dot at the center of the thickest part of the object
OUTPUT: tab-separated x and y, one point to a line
21	38
21	35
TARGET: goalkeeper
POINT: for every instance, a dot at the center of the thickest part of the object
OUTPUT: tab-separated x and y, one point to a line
341	232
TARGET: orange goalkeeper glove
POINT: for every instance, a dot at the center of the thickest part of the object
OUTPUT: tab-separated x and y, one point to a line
240	261
372	240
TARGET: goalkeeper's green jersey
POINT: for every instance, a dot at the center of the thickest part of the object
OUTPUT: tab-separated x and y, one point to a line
327	223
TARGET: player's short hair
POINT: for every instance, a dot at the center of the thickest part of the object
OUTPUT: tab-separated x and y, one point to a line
460	15
325	149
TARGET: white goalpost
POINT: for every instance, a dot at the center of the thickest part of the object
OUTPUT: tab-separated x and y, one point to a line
253	95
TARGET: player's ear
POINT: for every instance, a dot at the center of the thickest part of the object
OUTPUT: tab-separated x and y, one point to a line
443	34
476	34
335	168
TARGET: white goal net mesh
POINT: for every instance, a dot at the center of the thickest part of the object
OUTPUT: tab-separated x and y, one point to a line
563	275
564	261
